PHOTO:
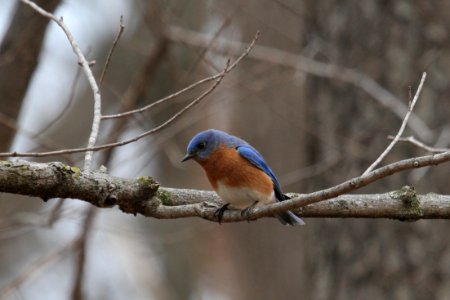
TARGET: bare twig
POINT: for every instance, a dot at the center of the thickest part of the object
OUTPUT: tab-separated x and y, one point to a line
44	142
81	243
88	72
122	143
188	88
111	51
443	140
134	139
402	127
354	183
415	142
135	91
201	56
66	107
160	101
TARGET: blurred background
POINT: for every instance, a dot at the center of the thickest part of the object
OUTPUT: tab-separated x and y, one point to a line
326	84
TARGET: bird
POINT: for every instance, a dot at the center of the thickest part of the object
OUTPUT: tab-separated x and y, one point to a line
238	173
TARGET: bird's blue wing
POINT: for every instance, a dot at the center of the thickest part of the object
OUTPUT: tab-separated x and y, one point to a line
256	159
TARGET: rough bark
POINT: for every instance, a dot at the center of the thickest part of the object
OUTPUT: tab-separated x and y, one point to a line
143	196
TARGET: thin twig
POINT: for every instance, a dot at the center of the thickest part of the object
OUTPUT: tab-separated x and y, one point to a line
66	107
88	72
402	128
136	90
201	56
42	141
124	142
89	215
218	77
76	293
85	64
350	185
162	100
111	51
415	142
188	88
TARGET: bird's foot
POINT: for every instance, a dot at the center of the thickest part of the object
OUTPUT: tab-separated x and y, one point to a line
219	212
247	212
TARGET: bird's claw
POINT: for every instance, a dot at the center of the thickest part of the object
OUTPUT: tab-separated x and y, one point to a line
219	212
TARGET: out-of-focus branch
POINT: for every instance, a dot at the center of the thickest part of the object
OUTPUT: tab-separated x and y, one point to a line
135	91
97	117
142	195
415	142
19	52
308	65
80	245
42	141
111	51
131	140
65	108
190	87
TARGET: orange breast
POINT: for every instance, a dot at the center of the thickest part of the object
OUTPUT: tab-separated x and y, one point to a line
231	169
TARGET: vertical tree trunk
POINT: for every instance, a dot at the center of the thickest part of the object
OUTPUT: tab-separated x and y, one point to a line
19	53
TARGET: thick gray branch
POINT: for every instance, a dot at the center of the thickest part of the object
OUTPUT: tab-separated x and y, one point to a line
142	195
56	180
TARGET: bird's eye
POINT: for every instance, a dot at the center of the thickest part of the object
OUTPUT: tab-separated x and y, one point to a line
201	146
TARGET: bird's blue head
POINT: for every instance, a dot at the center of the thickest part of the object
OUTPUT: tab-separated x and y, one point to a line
206	142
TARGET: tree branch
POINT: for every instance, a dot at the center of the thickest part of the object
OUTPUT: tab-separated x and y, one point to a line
53	180
143	195
415	142
88	72
402	128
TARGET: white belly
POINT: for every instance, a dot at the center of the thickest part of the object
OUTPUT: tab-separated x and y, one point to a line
241	198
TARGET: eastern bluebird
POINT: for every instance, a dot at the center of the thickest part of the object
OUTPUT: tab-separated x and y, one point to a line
238	173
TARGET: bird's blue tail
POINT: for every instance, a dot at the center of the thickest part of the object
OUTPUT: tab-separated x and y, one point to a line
289	218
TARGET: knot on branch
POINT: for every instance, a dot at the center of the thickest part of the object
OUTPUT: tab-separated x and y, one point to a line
411	203
144	188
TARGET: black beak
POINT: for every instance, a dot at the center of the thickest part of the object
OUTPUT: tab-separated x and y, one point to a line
187	157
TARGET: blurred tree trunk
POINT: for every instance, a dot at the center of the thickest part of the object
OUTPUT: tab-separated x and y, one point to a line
19	53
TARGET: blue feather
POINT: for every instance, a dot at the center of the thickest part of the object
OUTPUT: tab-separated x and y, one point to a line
256	159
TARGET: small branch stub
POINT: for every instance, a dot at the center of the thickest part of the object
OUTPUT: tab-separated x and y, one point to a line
411	202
